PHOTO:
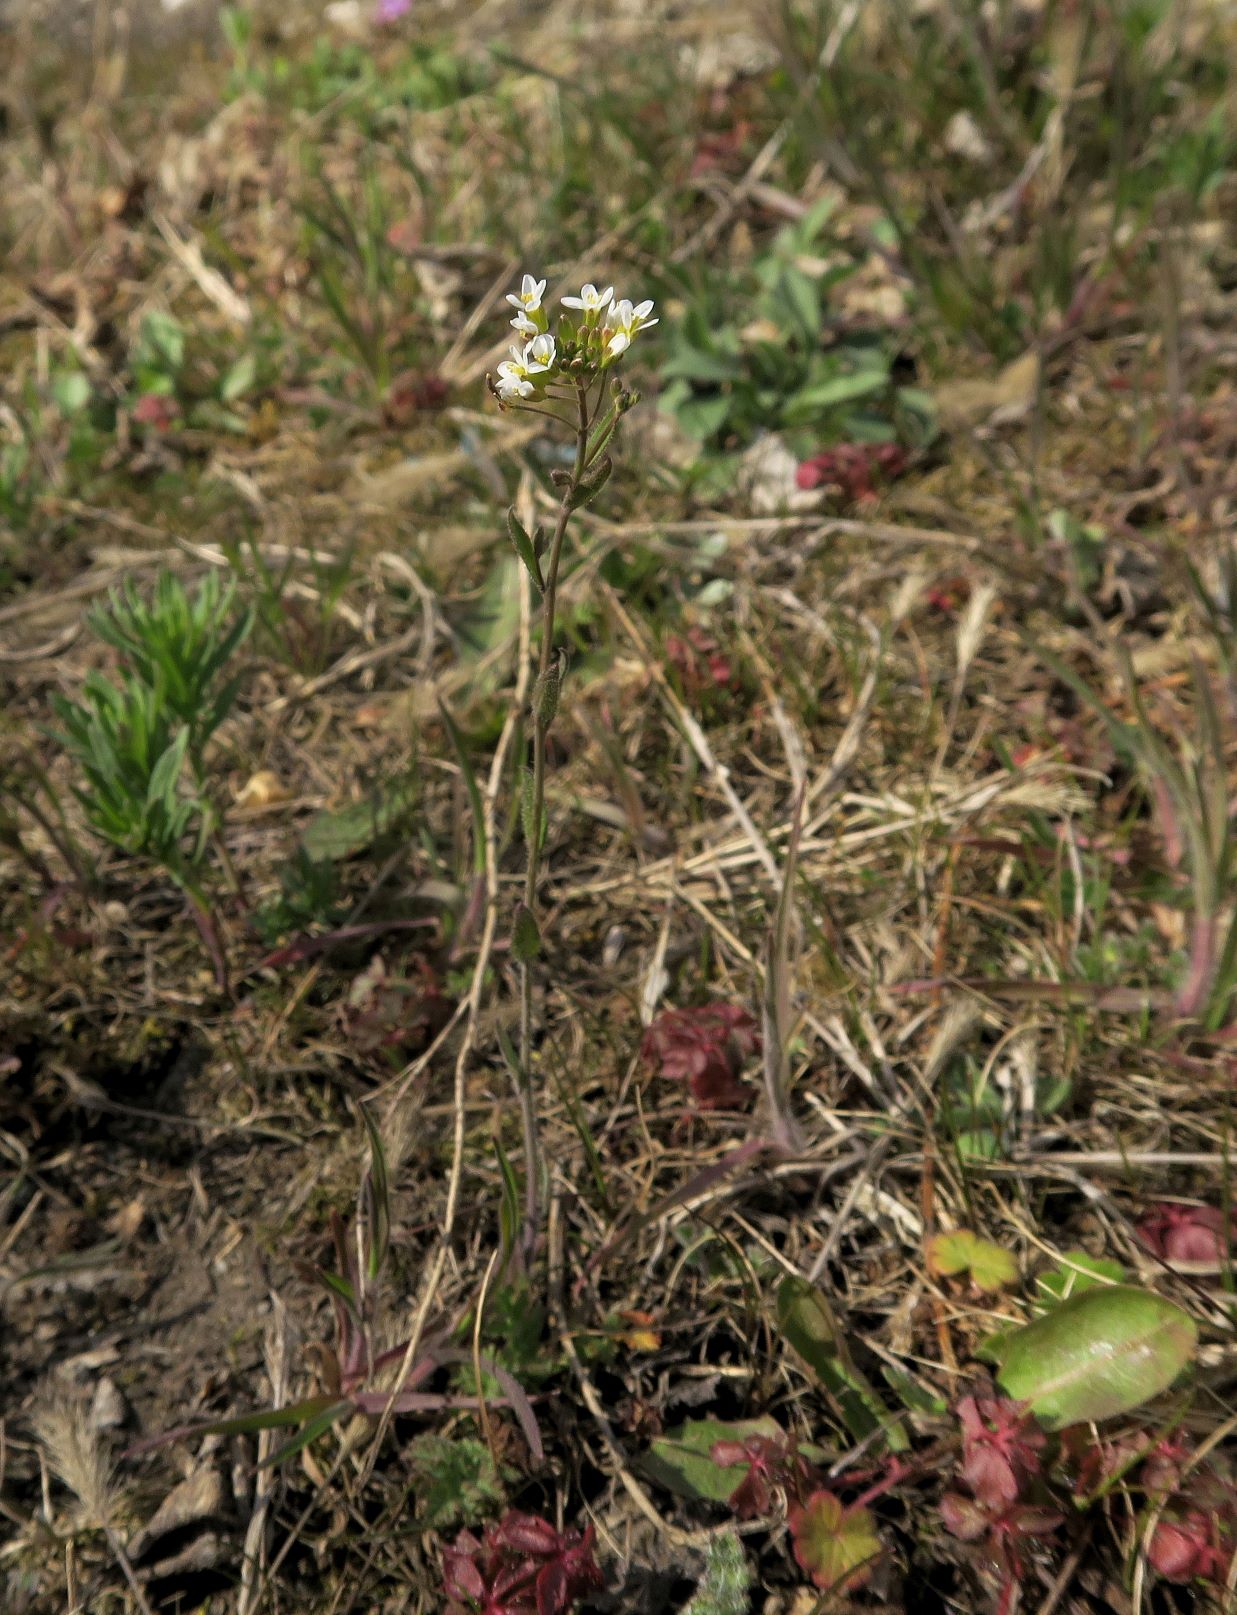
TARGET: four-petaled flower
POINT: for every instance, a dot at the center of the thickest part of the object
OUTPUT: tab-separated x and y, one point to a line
590	300
515	374
528	298
625	321
524	325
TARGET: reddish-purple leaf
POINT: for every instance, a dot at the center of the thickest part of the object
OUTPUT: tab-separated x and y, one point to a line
1000	1448
705	1047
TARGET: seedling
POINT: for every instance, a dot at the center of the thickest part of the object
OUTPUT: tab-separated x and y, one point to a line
140	742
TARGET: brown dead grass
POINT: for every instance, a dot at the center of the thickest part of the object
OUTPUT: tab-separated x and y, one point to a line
169	1156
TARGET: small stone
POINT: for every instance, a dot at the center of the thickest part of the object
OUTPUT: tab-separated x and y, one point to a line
108	1408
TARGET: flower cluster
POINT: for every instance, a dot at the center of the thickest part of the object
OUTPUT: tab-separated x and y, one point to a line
604	333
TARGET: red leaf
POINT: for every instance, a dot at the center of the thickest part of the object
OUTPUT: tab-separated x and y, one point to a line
705	1046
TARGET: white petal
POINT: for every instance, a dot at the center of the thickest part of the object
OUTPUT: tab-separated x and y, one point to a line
605	297
572	302
618	343
643	310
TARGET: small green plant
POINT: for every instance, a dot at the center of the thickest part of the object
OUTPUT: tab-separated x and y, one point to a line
775	373
140	740
1188	784
177	646
724	1587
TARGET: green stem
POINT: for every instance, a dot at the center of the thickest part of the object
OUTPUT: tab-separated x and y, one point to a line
528	1110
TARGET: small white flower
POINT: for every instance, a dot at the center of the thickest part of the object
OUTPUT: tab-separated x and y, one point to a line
618	343
513	382
539	354
524	325
528	298
590	300
630	319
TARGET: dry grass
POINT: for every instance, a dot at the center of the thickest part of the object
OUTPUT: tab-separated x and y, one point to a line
988	928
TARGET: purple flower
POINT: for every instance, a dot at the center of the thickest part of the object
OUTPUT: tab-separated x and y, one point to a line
391	10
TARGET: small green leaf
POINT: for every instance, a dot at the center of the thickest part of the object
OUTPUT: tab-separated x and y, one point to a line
990	1266
828	395
805	1318
71	390
725	1586
1078	1271
525	937
591	484
836	1545
525	549
1097	1355
343	832
695	364
680	1460
702	417
317	1426
461	1481
911	1393
239	379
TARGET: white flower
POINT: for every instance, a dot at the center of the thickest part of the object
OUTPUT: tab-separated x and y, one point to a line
513	382
539	354
590	300
629	319
515	374
524	325
618	343
528	298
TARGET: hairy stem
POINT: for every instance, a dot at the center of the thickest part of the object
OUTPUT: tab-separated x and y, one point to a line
528	1110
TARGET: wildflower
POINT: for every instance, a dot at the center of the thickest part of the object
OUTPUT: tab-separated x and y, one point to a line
513	382
515	375
539	354
590	300
623	322
528	298
525	326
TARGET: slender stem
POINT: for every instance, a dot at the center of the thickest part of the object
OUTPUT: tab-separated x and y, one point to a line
532	1153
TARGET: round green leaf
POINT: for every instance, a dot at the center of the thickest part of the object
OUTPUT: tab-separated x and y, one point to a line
991	1266
1100	1353
834	1544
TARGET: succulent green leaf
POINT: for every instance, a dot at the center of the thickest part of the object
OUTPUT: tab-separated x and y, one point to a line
1097	1355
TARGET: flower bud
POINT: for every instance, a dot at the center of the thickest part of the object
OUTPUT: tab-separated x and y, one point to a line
545	695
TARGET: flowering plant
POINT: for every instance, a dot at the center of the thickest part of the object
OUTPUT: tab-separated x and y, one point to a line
543	364
567	376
